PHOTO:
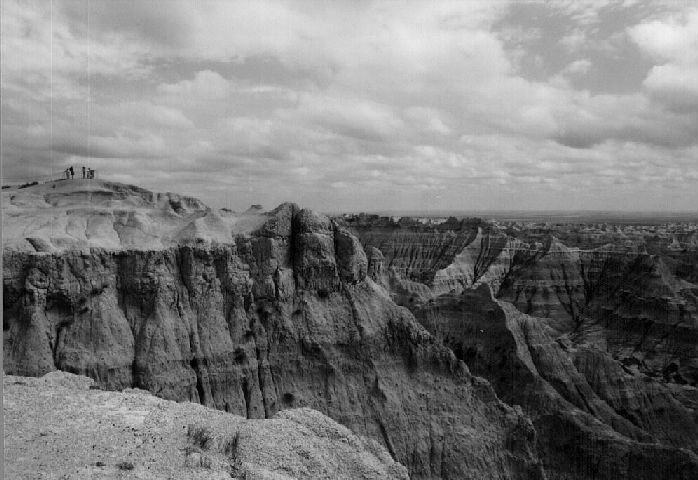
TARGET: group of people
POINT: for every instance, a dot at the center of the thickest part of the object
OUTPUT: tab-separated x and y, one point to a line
86	172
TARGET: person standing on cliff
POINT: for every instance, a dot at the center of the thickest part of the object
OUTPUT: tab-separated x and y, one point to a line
72	172
83	171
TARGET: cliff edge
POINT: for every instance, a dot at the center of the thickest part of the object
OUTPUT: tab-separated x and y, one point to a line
284	315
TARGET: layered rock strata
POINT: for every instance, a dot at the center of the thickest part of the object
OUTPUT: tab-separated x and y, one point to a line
597	345
283	318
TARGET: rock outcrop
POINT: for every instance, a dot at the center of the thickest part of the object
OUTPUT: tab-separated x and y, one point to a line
82	214
597	345
287	316
580	387
63	426
591	341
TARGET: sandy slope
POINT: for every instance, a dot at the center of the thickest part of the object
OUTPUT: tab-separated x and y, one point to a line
57	427
79	214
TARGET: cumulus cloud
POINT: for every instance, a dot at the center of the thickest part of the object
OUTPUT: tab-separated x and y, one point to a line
674	85
348	104
673	44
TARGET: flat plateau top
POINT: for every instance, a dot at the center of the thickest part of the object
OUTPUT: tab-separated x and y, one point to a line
86	213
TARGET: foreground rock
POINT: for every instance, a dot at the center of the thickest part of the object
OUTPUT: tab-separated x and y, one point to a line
59	426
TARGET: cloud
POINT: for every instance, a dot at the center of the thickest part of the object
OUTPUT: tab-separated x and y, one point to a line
122	145
134	19
578	67
670	39
351	117
348	104
593	120
673	45
427	120
574	40
205	85
674	85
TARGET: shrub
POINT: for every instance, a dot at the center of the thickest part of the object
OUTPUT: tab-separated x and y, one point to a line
230	447
237	470
200	436
125	466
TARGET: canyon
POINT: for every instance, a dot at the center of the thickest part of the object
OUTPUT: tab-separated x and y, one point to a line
465	348
596	337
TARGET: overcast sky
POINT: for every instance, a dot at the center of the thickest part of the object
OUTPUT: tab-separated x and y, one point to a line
356	105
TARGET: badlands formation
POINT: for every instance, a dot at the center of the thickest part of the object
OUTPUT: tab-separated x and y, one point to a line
83	214
585	355
62	426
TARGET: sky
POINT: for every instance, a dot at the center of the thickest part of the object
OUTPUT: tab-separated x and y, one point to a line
360	105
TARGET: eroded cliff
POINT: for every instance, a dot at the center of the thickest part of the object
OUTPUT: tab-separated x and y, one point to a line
596	341
284	317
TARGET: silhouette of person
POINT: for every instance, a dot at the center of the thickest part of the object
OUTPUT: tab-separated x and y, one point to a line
72	172
67	173
83	171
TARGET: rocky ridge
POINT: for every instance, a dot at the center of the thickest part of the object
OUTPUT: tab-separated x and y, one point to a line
283	316
599	340
86	213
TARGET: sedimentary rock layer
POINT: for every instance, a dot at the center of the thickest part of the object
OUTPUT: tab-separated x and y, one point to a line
598	345
286	317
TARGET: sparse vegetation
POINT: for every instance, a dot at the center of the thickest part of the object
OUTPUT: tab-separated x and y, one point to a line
237	470
200	436
230	446
189	449
125	466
